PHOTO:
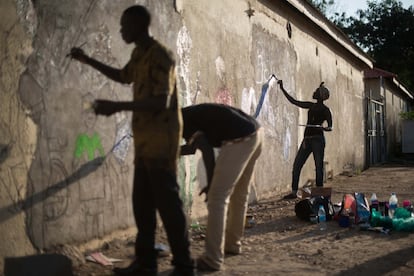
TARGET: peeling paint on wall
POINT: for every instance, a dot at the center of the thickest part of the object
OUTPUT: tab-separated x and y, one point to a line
186	168
287	143
223	94
184	45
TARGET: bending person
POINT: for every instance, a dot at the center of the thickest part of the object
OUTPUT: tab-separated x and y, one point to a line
314	139
239	138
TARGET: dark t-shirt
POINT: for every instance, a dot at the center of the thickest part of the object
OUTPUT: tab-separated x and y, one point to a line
317	114
218	122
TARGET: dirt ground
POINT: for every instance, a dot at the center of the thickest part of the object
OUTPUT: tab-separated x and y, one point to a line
279	243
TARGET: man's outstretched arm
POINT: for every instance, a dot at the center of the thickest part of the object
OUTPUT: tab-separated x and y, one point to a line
110	72
107	108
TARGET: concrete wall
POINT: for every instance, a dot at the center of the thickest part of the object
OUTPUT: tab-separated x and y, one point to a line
17	130
394	105
66	175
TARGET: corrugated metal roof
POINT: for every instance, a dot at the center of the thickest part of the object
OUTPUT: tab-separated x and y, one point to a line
376	73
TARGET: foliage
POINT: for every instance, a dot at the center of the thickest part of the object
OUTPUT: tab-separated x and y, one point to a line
385	31
409	115
322	5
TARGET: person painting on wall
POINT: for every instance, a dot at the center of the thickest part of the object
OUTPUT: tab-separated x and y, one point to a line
157	129
239	137
314	139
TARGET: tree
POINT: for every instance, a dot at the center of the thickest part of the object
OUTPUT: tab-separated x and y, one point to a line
322	5
385	30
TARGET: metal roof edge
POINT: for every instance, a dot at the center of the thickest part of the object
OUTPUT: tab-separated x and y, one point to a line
376	73
332	30
402	88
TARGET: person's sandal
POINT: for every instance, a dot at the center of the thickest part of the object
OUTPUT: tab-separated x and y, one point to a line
203	266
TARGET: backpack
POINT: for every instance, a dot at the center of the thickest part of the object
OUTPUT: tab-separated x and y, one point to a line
307	207
303	209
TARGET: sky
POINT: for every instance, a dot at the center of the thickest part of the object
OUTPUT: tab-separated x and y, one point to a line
351	6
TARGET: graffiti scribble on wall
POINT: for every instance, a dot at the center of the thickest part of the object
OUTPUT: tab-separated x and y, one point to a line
223	94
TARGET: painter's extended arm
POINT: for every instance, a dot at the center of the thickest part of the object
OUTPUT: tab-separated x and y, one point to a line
291	99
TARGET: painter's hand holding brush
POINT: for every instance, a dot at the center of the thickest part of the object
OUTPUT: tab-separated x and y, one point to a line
78	54
113	73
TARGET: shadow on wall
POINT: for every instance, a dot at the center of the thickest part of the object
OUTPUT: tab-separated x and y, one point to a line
26	204
4	152
45	264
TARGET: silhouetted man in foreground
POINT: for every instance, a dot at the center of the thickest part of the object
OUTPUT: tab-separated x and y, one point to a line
157	128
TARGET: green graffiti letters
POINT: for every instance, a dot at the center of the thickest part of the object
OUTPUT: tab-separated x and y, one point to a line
87	144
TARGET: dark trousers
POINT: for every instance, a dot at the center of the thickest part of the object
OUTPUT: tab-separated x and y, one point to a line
315	145
155	188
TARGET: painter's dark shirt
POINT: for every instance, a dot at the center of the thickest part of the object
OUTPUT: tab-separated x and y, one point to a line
218	122
317	114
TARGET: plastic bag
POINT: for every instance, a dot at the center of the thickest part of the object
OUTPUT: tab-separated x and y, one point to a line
406	225
378	220
402	220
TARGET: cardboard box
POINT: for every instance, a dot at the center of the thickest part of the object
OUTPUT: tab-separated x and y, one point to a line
321	191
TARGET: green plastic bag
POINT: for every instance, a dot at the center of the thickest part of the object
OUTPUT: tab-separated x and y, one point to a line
377	220
402	220
406	225
402	213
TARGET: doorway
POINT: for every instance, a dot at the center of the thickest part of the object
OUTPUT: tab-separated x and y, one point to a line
376	143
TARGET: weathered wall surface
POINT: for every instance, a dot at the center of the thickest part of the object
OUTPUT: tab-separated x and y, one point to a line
394	105
66	175
17	129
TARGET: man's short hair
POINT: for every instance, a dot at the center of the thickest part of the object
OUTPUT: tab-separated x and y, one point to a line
140	14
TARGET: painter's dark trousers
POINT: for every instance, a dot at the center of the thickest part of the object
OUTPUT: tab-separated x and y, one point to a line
315	145
155	188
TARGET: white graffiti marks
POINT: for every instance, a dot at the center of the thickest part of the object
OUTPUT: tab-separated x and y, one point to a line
287	144
248	102
184	45
220	69
263	63
123	141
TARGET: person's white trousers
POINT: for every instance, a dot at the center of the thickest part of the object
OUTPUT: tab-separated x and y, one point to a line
227	198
